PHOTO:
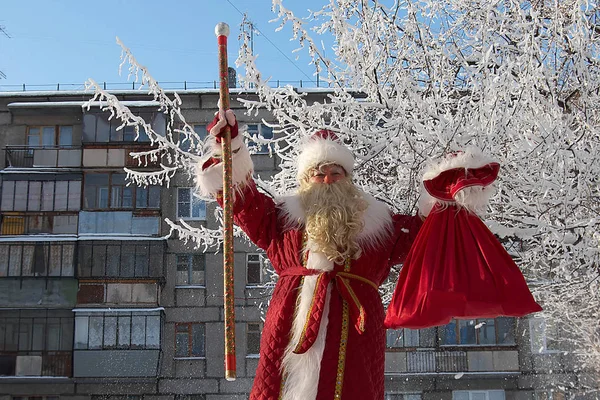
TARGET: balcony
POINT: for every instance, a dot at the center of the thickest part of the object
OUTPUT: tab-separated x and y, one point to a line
43	157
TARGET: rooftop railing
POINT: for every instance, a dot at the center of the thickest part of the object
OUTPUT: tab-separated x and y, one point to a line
185	85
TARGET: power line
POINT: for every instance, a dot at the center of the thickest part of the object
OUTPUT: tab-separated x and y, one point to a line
273	44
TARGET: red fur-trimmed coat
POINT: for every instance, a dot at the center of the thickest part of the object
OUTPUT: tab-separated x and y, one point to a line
324	326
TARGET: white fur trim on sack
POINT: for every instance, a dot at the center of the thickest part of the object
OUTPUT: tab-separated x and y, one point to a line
210	181
473	198
318	150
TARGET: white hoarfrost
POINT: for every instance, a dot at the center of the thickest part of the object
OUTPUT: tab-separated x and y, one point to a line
411	81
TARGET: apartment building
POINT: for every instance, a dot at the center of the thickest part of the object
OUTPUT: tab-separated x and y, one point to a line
98	302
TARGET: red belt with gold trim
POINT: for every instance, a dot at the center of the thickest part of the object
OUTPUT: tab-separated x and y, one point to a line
315	313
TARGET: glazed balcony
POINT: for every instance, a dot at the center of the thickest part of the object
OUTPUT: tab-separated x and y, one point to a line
43	157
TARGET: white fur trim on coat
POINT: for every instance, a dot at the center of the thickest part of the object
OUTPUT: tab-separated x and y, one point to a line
210	180
318	150
302	370
473	198
377	219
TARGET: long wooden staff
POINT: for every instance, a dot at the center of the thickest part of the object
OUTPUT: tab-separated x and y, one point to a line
222	31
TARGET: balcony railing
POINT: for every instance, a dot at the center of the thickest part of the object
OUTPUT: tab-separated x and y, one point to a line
438	361
31	224
45	156
32	364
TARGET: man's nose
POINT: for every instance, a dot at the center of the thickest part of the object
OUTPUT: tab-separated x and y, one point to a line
328	179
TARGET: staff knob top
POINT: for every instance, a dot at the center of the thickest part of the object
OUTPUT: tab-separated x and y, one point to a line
222	29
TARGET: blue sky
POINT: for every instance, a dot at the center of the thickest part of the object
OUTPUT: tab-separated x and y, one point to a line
69	41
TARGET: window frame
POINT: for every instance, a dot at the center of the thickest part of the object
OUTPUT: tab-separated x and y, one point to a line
194	200
442	336
190	334
262	263
111	124
110	191
257	328
56	140
190	269
538	336
261	130
401	333
121	331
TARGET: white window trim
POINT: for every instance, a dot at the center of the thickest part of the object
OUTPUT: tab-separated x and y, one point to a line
472	392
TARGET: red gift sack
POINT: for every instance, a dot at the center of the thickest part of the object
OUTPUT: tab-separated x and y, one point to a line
456	267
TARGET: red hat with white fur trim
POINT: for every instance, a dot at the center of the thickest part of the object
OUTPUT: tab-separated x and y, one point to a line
324	147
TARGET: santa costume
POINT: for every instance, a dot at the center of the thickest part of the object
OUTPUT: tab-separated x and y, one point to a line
323	336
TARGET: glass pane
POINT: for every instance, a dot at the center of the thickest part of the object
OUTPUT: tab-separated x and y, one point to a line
39	335
14	266
95	332
394	338
113	256
48	196
154	197
61	195
102	129
466	331
35	196
74	199
153	332
505	331
181	344
48	136
411	337
21	195
127	197
33	137
81	332
198	208
68	253
110	332
53	337
138	331
183	202
116	197
200	131
141	197
102	201
89	128
8	193
124	331
460	395
253	273
55	266
448	334
198	340
65	137
496	395
487	331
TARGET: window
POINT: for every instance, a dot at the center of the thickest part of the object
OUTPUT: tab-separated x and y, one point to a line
190	206
29	331
253	330
189	143
117	330
263	134
110	191
480	332
397	338
42	259
97	128
61	135
137	259
478	395
189	340
190	269
402	396
41	195
255	269
544	335
549	395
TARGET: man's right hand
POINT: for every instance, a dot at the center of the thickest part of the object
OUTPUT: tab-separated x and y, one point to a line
222	119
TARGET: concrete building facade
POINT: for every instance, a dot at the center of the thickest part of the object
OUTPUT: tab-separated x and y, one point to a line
98	302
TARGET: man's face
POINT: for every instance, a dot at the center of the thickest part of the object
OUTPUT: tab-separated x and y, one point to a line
328	173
